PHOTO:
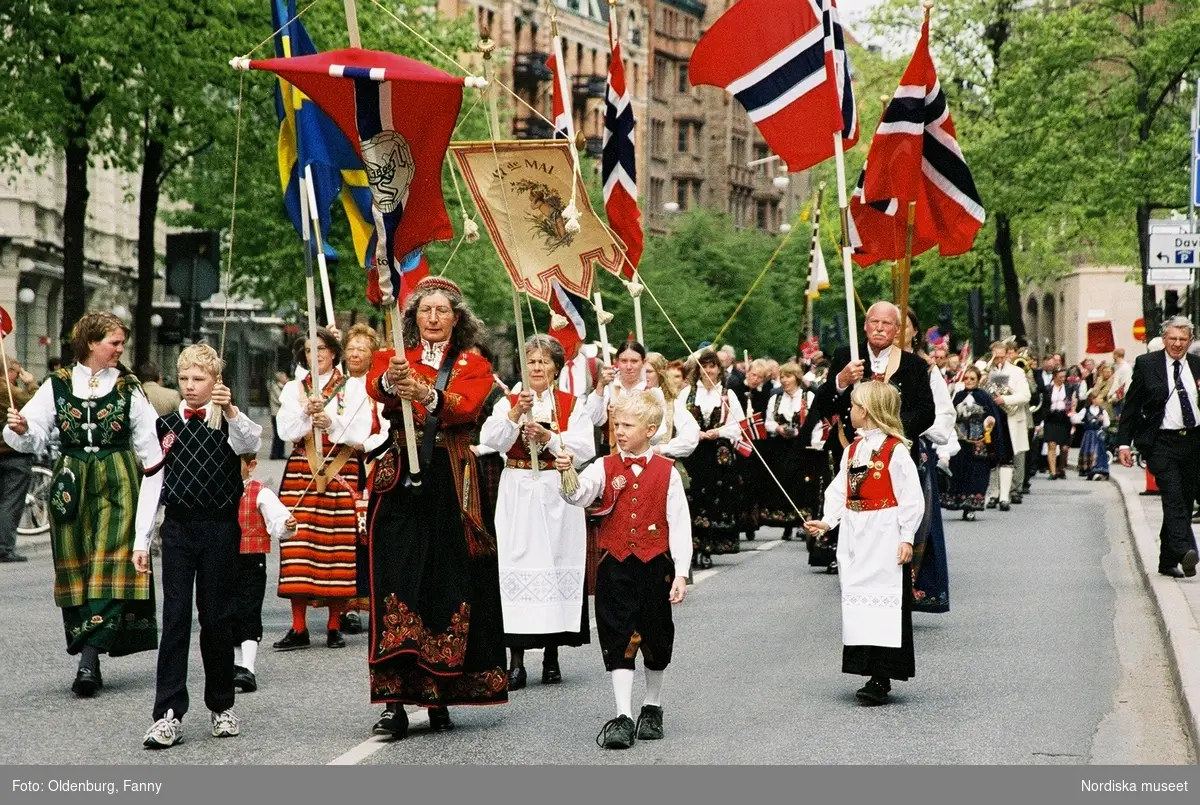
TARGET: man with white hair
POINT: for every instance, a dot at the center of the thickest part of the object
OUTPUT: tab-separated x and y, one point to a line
1162	419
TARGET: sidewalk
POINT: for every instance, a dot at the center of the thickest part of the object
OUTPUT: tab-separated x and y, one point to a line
1176	600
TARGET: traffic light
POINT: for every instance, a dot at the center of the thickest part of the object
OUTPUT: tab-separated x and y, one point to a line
193	265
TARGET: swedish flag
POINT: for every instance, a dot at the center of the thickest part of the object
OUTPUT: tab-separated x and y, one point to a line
308	138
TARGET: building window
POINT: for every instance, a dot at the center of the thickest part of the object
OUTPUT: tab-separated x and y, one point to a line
658	138
697	142
661	68
688	30
764	215
681	142
681	193
656	195
738	151
683	77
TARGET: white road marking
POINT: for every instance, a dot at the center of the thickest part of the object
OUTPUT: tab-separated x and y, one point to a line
419	716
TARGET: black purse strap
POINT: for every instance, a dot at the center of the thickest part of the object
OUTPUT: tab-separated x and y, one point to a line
432	421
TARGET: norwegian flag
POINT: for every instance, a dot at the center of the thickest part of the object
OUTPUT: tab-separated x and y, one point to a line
571	332
560	97
753	427
398	114
6	323
619	160
878	230
786	63
915	156
810	348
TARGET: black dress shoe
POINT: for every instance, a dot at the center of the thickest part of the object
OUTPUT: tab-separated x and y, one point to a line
873	693
334	639
516	678
551	673
787	534
393	723
1004	506
87	682
750	535
13	556
992	502
439	719
1015	498
351	623
1188	562
292	640
244	680
1171	572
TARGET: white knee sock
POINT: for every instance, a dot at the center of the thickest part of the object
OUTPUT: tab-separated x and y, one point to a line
622	682
654	683
993	484
1006	476
237	656
249	654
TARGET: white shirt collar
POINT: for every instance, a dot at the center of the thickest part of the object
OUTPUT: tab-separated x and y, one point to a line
625	454
433	352
882	356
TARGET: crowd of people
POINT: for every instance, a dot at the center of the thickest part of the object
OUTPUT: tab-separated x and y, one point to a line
471	519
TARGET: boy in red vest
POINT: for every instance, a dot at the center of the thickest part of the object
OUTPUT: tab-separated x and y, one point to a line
645	538
261	516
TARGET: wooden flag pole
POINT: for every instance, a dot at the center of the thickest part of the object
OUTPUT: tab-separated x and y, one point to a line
352	23
635	290
843	205
323	270
906	270
406	410
12	406
311	294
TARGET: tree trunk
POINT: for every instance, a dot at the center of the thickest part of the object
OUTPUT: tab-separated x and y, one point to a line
1149	300
1012	285
152	166
74	298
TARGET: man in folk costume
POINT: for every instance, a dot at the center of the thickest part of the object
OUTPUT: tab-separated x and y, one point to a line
1009	387
436	625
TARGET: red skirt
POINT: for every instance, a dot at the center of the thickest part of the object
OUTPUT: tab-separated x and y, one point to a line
319	561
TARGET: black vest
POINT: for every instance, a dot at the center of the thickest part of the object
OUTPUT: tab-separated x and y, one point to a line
203	475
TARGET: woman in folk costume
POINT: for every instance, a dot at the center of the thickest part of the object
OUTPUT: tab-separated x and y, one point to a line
437	630
321	488
802	468
679	434
106	427
1093	421
979	443
930	572
715	494
757	394
359	347
876	497
540	540
1010	391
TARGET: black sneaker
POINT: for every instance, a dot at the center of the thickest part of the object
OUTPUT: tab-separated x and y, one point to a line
873	693
292	640
650	723
393	723
244	680
617	733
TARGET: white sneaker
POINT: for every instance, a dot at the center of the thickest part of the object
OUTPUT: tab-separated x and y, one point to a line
164	733
225	724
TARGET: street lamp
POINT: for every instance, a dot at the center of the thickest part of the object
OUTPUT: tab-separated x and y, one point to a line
120	311
785	227
671	207
26	296
781	182
156	320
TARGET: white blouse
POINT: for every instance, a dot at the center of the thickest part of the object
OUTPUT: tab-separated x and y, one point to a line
349	416
709	399
499	433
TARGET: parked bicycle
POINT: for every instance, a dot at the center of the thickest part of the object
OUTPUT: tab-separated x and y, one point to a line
35	519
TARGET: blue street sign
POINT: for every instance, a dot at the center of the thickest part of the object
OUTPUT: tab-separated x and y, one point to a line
1196	182
1185	257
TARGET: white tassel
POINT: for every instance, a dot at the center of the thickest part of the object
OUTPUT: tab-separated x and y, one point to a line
571	213
635	289
470	230
558	322
604	318
569	481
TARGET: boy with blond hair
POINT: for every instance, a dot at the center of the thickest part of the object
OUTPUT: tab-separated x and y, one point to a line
645	539
201	489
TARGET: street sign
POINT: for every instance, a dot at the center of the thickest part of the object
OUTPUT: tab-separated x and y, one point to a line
1174	250
1178	226
1170	276
1139	329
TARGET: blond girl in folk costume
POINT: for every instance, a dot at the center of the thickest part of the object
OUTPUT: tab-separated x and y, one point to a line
876	497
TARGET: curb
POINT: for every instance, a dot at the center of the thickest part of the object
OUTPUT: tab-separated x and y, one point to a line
1175	616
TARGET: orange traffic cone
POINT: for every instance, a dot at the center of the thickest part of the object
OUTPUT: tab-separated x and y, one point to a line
1151	486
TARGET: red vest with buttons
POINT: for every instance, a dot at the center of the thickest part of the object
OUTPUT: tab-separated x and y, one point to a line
255	537
563	405
635	509
876	491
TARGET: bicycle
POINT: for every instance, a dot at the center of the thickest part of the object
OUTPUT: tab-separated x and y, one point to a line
35	518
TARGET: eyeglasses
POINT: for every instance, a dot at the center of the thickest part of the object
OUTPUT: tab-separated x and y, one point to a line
429	311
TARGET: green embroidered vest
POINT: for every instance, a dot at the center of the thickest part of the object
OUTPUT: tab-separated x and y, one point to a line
93	428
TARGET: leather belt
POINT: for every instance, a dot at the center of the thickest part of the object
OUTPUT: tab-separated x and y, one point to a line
527	464
871	505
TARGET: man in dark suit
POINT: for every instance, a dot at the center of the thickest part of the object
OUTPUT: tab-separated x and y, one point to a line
882	359
1161	418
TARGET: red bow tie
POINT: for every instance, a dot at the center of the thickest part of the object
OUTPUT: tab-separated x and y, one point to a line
639	461
189	413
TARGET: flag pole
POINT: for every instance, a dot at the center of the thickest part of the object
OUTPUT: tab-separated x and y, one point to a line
315	215
634	286
352	23
406	409
4	359
906	268
486	47
310	291
843	205
635	290
813	256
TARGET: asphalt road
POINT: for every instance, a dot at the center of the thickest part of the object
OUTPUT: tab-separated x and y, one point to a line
1050	654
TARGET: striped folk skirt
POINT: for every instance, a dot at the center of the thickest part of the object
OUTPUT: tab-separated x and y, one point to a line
319	560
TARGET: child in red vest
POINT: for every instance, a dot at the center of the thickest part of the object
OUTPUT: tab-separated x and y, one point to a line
261	516
645	538
877	499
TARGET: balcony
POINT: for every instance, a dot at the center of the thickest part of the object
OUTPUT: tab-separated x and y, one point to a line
532	128
590	86
741	176
594	146
530	68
